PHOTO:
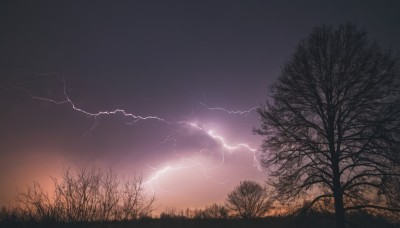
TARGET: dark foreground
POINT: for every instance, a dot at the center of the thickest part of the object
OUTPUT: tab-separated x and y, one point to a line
271	222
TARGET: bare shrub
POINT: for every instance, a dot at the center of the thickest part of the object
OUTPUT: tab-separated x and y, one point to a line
86	194
249	200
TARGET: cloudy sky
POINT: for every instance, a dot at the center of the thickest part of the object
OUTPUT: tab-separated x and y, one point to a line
179	72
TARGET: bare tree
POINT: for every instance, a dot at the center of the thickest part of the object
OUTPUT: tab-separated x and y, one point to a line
86	194
36	204
213	211
249	200
135	202
333	122
109	196
78	194
173	213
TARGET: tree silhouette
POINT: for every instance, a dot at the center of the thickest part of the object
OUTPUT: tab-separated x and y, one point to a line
86	195
135	202
333	122
213	211
249	200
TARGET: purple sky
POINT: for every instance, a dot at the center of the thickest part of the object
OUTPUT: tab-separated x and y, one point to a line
174	60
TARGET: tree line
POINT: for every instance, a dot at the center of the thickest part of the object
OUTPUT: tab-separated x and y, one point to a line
92	195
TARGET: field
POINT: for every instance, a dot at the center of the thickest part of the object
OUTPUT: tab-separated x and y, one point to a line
364	221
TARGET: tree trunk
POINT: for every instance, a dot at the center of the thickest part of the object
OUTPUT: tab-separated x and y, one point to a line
338	197
339	210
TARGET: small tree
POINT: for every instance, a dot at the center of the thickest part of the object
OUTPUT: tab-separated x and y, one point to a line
135	202
109	196
78	195
249	200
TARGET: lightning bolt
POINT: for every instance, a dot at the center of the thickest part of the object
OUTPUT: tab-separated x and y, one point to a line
95	115
237	112
100	113
160	172
228	146
225	146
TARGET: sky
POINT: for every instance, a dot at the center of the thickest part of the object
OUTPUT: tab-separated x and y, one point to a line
186	77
